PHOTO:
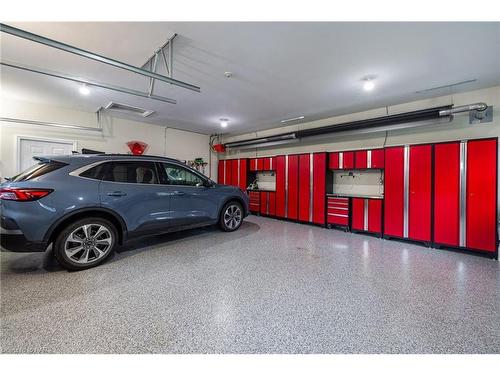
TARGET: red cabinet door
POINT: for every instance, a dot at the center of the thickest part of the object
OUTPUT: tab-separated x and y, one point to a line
228	169
419	198
235	172
263	202
333	160
272	204
280	186
304	187
266	164
293	186
221	171
358	213
447	193
375	215
260	164
253	164
377	159
319	187
243	173
394	191
360	159
481	195
348	160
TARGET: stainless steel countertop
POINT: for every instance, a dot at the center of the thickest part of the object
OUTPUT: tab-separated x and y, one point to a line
355	196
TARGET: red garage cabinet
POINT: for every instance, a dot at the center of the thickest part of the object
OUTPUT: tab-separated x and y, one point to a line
304	186
407	192
419	195
341	160
293	187
319	188
367	215
221	171
281	178
367	159
447	193
394	191
233	172
361	159
465	202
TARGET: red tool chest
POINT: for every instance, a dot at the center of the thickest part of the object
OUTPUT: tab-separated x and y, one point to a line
337	211
254	201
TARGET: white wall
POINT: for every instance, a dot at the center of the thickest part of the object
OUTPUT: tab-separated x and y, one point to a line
459	128
162	140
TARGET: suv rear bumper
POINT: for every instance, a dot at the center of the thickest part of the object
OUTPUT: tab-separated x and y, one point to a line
16	242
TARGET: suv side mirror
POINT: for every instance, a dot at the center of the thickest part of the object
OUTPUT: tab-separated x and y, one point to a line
208	183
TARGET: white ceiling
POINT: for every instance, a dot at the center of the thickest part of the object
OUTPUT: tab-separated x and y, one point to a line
280	70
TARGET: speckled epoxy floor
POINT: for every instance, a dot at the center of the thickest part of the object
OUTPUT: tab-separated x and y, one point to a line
271	287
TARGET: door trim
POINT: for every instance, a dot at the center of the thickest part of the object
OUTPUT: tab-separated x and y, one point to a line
20	137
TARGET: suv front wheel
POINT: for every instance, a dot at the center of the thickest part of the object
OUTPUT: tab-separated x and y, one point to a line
85	243
231	216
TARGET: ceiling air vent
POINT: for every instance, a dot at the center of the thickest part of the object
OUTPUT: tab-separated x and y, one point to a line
129	109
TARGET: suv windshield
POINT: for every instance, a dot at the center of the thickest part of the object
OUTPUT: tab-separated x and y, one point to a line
37	170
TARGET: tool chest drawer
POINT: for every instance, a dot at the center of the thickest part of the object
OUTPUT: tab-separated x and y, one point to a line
337	211
254	200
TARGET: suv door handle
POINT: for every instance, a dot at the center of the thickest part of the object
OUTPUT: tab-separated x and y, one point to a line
116	194
179	193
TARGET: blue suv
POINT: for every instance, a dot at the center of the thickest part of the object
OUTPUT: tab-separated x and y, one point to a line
87	205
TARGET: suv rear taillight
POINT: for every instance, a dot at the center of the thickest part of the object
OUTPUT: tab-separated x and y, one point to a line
23	194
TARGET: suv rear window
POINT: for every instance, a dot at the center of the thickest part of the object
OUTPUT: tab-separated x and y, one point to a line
132	172
38	170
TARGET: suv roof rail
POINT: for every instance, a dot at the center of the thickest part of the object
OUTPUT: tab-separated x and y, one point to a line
139	156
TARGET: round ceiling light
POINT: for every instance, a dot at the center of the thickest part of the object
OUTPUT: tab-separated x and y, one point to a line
84	90
224	122
369	84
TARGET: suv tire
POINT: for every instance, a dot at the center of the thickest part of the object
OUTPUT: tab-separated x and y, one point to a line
231	216
85	243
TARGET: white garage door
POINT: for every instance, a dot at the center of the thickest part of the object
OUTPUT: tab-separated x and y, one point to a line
32	147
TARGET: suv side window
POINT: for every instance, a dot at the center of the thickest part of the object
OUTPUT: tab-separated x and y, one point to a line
177	175
132	172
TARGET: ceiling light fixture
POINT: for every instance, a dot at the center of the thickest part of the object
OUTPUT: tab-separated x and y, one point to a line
84	90
224	122
293	119
369	85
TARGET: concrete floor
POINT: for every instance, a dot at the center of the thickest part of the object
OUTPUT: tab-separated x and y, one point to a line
270	287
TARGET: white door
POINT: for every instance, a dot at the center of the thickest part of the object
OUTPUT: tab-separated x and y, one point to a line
33	147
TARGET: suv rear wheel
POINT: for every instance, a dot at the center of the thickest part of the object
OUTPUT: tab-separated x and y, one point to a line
85	243
231	216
